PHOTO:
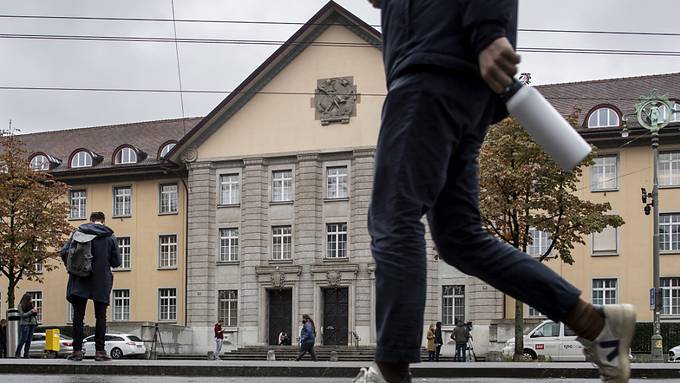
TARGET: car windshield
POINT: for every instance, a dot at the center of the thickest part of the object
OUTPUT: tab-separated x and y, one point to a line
134	338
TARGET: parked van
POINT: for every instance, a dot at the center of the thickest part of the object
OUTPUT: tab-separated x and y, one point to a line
553	340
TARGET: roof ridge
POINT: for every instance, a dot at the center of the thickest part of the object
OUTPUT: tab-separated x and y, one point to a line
110	126
659	75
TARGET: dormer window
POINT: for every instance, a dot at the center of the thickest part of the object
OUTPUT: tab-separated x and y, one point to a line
40	162
81	159
603	118
126	155
166	149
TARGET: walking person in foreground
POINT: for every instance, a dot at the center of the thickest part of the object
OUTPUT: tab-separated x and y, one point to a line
307	338
97	241
219	338
29	319
446	63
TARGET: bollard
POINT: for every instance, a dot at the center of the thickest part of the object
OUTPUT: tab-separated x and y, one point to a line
334	356
211	355
52	343
271	355
13	319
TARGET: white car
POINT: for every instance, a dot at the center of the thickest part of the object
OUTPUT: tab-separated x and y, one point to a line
116	345
38	345
674	354
554	341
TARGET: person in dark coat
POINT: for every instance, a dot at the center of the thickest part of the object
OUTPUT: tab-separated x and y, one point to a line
307	338
438	341
460	335
447	62
96	287
3	338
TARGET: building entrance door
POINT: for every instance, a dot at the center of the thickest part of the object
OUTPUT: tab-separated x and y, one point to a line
280	314
335	306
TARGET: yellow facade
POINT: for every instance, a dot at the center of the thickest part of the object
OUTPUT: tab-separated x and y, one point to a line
144	277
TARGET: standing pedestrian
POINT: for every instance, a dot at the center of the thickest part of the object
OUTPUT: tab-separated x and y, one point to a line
96	286
3	338
446	63
438	341
307	338
219	339
431	347
461	336
28	315
283	338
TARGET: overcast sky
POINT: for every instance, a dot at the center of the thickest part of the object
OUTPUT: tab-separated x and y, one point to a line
146	65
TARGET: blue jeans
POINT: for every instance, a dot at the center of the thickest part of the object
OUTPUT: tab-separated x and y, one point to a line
26	332
433	126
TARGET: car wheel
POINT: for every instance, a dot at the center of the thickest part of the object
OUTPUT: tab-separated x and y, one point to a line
529	355
116	353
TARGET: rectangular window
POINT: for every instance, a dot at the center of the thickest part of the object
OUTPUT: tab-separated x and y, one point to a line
671	295
37	298
167	251
540	242
228	245
604	173
228	307
336	181
122	201
606	242
453	304
121	305
282	239
125	253
604	291
282	185
669	232
167	304
532	312
38	267
336	240
230	193
168	199
669	169
78	201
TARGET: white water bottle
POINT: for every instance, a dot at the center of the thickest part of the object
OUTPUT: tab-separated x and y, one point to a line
550	130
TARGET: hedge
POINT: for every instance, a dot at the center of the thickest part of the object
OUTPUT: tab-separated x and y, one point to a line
642	342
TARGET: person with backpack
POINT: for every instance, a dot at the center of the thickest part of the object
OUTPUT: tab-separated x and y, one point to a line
28	314
89	255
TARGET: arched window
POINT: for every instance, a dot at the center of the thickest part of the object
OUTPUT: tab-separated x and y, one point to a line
126	155
675	114
166	149
603	118
40	162
81	159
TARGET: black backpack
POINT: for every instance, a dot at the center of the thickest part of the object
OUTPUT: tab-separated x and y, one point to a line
79	258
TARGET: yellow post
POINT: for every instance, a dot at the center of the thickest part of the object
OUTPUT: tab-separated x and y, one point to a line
52	340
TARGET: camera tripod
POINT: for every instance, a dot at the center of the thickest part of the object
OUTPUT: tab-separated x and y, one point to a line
470	355
157	339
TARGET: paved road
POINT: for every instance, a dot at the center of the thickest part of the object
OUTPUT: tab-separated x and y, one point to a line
133	379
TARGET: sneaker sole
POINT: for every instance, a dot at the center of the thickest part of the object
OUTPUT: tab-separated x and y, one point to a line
623	327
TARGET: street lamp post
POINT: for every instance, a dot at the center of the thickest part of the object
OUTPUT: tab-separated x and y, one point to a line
649	112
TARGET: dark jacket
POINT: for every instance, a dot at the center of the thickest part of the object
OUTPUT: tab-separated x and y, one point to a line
460	334
219	333
105	255
307	334
445	34
438	336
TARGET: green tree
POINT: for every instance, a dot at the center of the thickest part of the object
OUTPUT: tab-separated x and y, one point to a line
33	213
522	188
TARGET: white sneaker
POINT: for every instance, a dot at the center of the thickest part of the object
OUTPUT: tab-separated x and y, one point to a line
372	374
609	351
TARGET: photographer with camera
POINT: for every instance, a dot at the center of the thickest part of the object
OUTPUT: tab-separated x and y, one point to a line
461	335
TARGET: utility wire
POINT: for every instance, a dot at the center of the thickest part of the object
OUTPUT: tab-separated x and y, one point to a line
265	22
179	69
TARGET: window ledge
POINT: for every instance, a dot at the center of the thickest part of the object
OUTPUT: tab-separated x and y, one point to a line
343	199
170	213
167	268
604	190
336	260
228	263
228	205
669	186
230	329
123	270
671	252
605	254
77	219
276	203
122	216
167	321
280	261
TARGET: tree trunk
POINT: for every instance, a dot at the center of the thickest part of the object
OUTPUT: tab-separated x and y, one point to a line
11	284
519	332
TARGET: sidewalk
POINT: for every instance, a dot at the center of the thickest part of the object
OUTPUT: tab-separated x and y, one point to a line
320	369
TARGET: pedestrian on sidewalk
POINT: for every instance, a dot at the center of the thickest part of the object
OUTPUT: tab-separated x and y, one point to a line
431	347
307	338
3	338
446	63
438	341
96	286
29	320
461	336
219	339
283	338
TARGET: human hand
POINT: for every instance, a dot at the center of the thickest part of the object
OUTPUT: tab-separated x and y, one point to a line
498	64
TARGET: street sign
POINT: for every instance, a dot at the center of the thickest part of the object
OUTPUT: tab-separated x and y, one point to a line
651	299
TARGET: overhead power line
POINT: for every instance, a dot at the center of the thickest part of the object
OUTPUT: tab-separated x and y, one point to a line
100	38
297	23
